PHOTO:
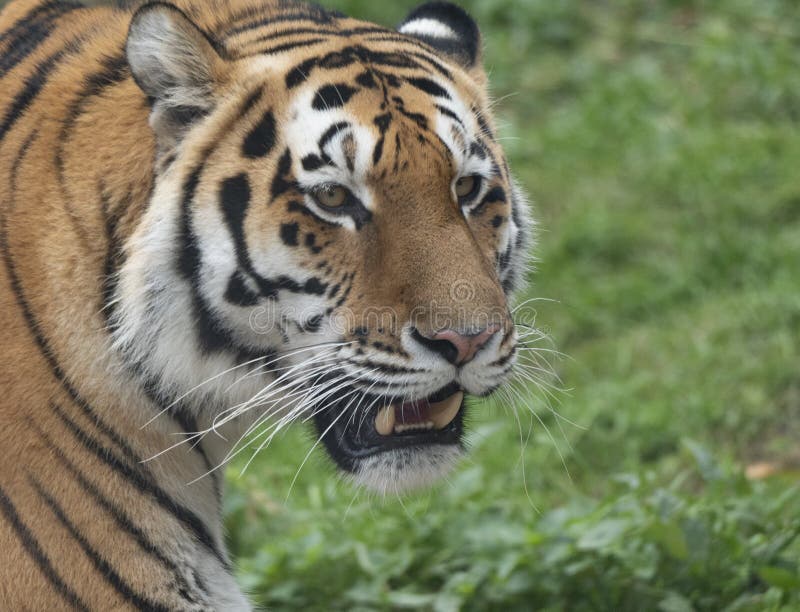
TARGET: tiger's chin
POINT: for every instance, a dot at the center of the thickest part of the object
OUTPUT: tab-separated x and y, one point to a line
397	445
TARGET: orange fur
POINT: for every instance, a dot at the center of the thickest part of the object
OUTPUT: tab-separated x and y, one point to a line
78	161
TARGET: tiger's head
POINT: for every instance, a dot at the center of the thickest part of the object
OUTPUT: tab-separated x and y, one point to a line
333	235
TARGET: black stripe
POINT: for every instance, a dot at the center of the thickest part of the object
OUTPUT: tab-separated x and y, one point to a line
35	328
25	36
386	368
505	258
346	57
121	518
379	34
377	152
113	70
344	33
437	65
181	414
113	258
289	32
251	100
495	194
239	293
426	52
483	124
383	122
290	45
261	139
144	484
446	111
210	331
289	233
478	149
318	16
418	118
270	287
312	162
33	84
332	95
331	132
32	547
100	564
24	20
235	200
280	183
428	86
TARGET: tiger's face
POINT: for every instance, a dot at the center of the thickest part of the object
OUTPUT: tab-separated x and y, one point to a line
333	235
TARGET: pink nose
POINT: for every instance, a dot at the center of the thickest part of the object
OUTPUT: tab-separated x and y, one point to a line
456	347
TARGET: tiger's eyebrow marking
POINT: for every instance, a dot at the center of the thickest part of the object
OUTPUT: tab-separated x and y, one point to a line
331	132
333	95
312	161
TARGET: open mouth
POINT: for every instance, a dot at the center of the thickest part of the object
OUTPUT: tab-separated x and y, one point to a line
391	425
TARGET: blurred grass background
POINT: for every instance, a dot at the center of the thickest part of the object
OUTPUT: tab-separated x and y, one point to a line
660	143
659	140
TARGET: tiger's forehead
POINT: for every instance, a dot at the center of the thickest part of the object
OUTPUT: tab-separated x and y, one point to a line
316	49
349	102
353	123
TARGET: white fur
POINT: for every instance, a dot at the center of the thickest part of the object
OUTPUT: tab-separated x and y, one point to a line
425	26
399	471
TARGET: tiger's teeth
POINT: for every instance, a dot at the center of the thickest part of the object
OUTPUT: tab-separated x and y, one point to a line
414	426
443	413
384	422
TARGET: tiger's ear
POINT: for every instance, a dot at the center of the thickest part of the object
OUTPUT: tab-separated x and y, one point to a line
449	29
176	65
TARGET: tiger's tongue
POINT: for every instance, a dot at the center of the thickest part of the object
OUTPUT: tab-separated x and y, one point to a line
420	412
410	413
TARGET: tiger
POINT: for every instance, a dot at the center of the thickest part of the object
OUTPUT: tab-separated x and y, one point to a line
218	219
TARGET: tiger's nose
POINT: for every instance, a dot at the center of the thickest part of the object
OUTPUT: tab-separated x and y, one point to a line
456	347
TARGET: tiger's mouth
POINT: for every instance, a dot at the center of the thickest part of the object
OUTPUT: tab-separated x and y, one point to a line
396	424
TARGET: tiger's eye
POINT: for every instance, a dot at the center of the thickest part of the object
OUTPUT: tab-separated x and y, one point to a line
332	196
465	186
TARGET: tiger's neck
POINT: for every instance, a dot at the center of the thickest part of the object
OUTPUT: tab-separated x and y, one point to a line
81	432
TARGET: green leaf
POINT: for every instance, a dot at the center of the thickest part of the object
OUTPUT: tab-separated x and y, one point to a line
670	536
603	534
780	577
402	599
675	602
708	466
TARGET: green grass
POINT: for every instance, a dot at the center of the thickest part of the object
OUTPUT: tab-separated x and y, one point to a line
660	143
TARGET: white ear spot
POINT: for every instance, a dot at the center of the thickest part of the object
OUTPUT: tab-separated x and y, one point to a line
426	26
448	29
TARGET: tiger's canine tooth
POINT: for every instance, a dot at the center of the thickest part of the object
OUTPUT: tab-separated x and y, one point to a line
443	413
384	422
